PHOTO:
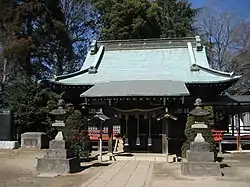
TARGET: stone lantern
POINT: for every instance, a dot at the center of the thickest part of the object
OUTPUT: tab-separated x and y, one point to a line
58	158
199	117
60	117
199	159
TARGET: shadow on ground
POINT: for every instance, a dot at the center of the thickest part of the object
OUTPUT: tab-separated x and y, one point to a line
219	159
90	165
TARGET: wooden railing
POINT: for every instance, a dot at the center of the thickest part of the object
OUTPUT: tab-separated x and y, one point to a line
95	134
218	135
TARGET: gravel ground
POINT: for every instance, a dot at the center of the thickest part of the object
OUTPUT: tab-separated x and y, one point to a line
17	169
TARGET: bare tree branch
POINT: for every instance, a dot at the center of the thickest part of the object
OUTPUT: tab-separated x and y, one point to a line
218	28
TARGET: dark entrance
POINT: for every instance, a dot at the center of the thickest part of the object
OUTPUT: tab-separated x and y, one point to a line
144	134
176	134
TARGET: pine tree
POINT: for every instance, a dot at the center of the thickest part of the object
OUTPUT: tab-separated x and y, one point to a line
36	37
128	19
30	105
135	19
176	18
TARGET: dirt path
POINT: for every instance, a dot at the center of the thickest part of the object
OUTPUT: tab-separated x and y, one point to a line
17	169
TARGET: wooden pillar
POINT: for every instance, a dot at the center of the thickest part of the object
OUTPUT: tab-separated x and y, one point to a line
214	113
138	141
166	123
232	127
110	134
126	133
100	141
165	137
238	134
110	131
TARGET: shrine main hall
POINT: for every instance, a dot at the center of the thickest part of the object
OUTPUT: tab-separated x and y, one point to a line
145	87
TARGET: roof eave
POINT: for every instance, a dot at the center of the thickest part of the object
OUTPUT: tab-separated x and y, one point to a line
230	79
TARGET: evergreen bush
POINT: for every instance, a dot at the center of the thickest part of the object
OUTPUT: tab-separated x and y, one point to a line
76	134
191	133
30	104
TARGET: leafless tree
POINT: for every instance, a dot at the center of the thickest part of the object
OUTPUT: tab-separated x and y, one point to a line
81	25
218	29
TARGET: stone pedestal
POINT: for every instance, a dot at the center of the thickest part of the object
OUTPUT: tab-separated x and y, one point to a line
199	161
58	159
8	145
34	140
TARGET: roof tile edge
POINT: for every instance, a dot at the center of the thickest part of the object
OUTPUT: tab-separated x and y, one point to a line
154	43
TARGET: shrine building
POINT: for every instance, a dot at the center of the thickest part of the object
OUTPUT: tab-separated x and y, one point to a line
145	87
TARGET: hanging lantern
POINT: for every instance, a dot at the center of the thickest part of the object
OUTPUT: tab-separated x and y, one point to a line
126	136
145	116
119	115
138	142
149	132
126	141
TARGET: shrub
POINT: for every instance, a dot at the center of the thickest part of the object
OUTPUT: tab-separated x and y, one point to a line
76	135
30	104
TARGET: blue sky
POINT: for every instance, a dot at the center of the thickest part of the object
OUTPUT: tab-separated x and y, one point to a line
239	7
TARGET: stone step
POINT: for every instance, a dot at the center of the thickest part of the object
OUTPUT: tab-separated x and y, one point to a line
57	165
199	169
200	156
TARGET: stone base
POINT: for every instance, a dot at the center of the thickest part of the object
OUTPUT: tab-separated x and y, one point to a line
8	145
200	156
58	144
199	169
57	165
199	147
58	153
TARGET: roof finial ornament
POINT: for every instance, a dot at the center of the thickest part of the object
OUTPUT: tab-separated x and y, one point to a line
198	102
199	46
93	47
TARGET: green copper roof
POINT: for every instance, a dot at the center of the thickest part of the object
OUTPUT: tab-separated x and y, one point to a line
161	59
137	88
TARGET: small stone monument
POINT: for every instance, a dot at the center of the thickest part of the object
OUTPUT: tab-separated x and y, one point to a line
34	140
199	160
58	159
120	146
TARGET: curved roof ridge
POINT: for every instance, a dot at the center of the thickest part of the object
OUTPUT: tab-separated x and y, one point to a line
95	64
69	75
231	74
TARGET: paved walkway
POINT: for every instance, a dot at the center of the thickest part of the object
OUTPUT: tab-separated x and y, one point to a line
124	174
